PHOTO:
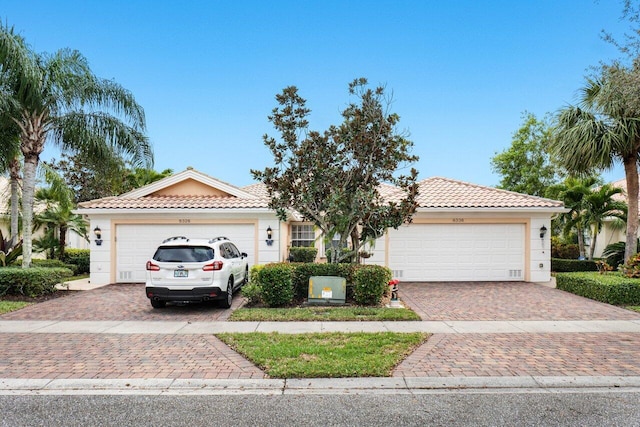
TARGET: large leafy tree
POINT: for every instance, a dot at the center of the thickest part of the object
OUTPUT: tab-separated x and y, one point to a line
603	129
526	166
57	99
333	178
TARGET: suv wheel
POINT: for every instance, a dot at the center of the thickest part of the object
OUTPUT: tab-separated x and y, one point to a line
227	302
158	304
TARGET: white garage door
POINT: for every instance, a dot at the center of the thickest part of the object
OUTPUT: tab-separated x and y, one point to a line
136	243
457	252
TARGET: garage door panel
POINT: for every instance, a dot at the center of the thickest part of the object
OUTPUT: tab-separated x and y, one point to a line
457	252
136	243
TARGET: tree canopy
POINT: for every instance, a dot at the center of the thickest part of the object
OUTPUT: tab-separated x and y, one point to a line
526	166
333	179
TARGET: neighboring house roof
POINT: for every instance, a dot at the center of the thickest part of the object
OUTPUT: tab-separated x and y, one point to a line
191	189
622	184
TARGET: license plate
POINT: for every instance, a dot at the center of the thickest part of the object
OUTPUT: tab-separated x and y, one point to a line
180	273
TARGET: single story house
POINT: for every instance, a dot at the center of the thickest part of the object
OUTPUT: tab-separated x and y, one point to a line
460	232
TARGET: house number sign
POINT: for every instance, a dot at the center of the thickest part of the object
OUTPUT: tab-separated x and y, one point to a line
184	221
458	220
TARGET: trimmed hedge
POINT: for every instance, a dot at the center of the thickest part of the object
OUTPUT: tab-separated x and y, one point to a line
302	254
572	265
609	288
371	282
78	257
53	263
32	282
276	284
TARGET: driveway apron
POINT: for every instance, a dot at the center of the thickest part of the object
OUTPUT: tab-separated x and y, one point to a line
516	354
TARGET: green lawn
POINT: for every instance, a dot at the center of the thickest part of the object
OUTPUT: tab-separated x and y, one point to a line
325	355
314	314
7	306
634	308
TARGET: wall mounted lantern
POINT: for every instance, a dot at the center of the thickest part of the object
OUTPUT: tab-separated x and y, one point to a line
543	231
269	236
98	234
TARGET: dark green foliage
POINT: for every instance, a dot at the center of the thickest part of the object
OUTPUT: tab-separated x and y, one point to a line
608	288
32	282
303	254
54	263
78	257
303	272
370	284
275	281
614	253
564	250
571	265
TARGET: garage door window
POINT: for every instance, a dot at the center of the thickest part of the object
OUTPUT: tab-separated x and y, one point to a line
302	235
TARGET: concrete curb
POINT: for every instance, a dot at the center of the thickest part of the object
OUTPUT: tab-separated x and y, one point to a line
319	386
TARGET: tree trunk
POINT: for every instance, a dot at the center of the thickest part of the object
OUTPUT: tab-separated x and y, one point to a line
63	241
631	175
581	242
28	190
14	173
594	237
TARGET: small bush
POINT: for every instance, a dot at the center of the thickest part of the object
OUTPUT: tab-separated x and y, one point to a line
32	282
53	263
302	254
276	284
572	265
78	257
252	292
564	250
631	268
611	288
370	284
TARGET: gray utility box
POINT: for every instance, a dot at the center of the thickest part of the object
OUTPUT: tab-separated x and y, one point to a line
327	290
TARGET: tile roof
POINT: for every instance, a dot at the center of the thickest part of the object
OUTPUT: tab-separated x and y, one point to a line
439	192
175	202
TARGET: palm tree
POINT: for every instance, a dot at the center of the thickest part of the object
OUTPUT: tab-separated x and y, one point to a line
600	205
573	192
57	99
602	130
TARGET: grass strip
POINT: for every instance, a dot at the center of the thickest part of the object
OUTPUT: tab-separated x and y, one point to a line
314	314
634	308
7	306
325	355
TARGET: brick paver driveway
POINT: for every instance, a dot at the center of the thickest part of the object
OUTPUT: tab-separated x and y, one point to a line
117	302
503	301
109	356
516	354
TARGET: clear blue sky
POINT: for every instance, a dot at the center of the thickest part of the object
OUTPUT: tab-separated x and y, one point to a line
206	72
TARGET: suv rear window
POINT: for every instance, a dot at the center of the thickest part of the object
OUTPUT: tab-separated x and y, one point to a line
183	254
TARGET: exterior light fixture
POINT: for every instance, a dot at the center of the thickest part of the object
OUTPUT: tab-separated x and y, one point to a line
269	236
98	234
543	231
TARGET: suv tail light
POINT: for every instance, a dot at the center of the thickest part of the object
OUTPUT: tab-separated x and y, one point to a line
152	267
214	266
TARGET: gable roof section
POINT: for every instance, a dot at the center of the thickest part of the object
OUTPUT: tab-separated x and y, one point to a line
444	193
189	189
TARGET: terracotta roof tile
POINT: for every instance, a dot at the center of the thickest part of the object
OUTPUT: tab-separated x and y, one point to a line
449	193
174	202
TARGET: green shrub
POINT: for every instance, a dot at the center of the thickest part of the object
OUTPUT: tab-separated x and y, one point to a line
572	265
32	282
78	257
302	273
53	263
276	284
609	288
564	250
302	254
631	268
370	284
252	292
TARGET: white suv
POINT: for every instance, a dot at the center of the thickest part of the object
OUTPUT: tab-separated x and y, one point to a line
193	270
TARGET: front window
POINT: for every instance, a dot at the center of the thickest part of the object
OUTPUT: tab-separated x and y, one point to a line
302	235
